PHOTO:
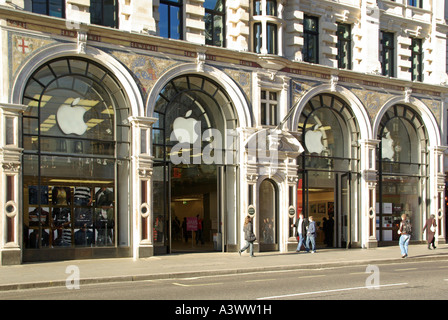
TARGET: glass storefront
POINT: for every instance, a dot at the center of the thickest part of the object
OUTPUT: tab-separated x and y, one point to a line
328	169
76	157
402	169
191	143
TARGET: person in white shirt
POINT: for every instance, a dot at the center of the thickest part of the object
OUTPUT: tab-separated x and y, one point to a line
300	226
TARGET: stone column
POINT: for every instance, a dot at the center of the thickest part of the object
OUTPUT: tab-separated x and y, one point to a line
368	193
437	191
10	180
141	182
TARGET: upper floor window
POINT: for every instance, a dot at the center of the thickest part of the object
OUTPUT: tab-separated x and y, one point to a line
269	108
215	22
417	60
104	12
266	32
170	23
415	3
271	8
310	49
344	46
54	8
387	54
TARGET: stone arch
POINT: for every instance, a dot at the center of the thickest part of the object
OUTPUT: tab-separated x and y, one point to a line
245	117
65	50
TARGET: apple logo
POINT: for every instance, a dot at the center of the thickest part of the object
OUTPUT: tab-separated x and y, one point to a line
71	119
313	140
387	147
184	128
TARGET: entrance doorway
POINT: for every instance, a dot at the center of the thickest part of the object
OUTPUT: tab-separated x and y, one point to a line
186	211
194	208
268	218
327	197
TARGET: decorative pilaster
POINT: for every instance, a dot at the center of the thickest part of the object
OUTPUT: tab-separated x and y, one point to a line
237	33
10	180
368	188
293	31
437	206
142	186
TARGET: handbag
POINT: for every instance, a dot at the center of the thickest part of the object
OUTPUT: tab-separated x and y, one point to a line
252	238
432	228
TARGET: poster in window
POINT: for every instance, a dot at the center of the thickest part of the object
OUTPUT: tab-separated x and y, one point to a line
104	197
34	214
33	195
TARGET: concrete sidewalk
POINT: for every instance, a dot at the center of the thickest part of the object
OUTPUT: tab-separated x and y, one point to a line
48	274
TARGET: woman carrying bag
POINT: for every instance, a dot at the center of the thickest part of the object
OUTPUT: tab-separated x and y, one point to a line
430	227
249	236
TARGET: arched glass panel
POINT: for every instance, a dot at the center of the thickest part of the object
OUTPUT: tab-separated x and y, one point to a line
329	169
329	130
76	152
197	100
402	166
187	109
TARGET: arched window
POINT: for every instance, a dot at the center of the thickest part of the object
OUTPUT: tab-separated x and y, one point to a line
187	109
268	217
329	168
329	131
76	152
402	166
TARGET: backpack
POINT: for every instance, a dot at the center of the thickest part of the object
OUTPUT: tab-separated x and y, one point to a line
407	227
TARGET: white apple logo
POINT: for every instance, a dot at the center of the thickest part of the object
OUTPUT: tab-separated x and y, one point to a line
313	141
71	119
184	128
387	147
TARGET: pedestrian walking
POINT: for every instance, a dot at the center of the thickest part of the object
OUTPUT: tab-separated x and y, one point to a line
249	236
300	225
311	235
404	231
430	227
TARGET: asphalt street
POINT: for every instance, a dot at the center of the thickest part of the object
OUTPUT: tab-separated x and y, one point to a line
392	281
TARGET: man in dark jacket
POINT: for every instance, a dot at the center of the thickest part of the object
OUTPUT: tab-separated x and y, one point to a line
311	235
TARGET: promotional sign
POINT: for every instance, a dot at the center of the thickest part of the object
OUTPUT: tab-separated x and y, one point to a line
192	224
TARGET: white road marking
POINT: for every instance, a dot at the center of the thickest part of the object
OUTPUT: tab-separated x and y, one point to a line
196	285
315	276
407	269
328	291
260	280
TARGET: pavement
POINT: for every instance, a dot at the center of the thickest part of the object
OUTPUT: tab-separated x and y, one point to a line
187	265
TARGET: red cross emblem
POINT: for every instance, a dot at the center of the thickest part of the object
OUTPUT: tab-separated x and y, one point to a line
23	45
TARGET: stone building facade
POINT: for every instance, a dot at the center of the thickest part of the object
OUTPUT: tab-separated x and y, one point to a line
127	125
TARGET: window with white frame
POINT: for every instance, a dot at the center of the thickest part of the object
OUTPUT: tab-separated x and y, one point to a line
266	27
269	108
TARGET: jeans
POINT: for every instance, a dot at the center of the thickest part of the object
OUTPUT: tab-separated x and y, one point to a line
404	243
249	244
311	238
299	245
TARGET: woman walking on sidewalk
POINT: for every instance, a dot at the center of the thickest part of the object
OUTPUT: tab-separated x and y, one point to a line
249	236
430	227
405	235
